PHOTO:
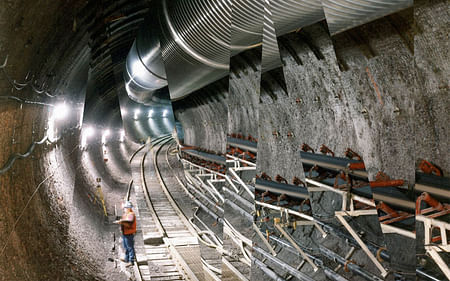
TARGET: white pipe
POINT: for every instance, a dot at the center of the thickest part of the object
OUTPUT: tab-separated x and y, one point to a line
252	194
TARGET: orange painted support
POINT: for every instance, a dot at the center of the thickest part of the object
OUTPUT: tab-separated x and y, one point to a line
325	150
297	181
429	168
357	166
307	148
388	210
426	197
188	148
280	179
351	154
386	183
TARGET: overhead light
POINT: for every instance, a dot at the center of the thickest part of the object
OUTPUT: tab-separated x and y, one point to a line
150	113
122	135
89	131
136	113
81	116
165	113
86	133
60	111
106	133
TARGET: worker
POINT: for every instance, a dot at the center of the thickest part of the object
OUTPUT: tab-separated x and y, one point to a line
128	227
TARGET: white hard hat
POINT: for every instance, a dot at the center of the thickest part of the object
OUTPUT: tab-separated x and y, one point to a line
128	205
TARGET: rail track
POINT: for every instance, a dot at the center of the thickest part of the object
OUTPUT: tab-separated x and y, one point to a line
211	189
169	248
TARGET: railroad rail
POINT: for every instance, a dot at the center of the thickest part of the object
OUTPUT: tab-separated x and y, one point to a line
167	236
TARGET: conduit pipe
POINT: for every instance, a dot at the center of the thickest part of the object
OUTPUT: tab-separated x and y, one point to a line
243	144
235	159
201	195
335	231
272	275
332	163
8	165
217	240
328	272
22	101
204	186
281	188
291	270
241	211
206	156
208	211
239	198
426	275
351	266
242	183
338	233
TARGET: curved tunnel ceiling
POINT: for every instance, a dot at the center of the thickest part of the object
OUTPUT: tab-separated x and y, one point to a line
186	46
194	37
292	94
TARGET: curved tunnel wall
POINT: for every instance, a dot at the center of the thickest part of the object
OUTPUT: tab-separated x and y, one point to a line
48	213
361	90
204	117
46	239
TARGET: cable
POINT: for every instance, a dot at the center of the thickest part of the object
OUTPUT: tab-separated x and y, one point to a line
16	156
29	201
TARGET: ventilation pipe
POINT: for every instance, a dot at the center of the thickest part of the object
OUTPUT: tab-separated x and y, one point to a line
192	41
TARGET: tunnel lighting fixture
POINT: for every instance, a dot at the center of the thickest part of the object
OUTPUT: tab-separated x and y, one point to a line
165	113
136	114
150	113
106	133
122	135
81	116
51	134
60	111
86	133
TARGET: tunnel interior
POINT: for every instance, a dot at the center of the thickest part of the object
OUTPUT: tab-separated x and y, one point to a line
294	140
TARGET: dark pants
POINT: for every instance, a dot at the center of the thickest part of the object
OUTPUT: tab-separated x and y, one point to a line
128	244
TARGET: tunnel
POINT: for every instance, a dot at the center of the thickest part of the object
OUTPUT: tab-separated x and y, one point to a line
252	139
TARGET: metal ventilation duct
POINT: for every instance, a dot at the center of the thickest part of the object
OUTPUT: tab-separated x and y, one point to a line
196	35
193	37
342	15
195	41
289	15
144	70
270	51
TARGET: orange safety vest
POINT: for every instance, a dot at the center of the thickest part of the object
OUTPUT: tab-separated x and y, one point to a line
127	230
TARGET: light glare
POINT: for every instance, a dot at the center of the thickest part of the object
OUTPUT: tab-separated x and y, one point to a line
60	111
136	113
87	132
122	135
106	133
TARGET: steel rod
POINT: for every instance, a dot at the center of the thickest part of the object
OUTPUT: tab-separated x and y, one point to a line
291	270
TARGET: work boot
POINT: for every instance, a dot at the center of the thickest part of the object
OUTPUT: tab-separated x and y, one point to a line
124	260
128	264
